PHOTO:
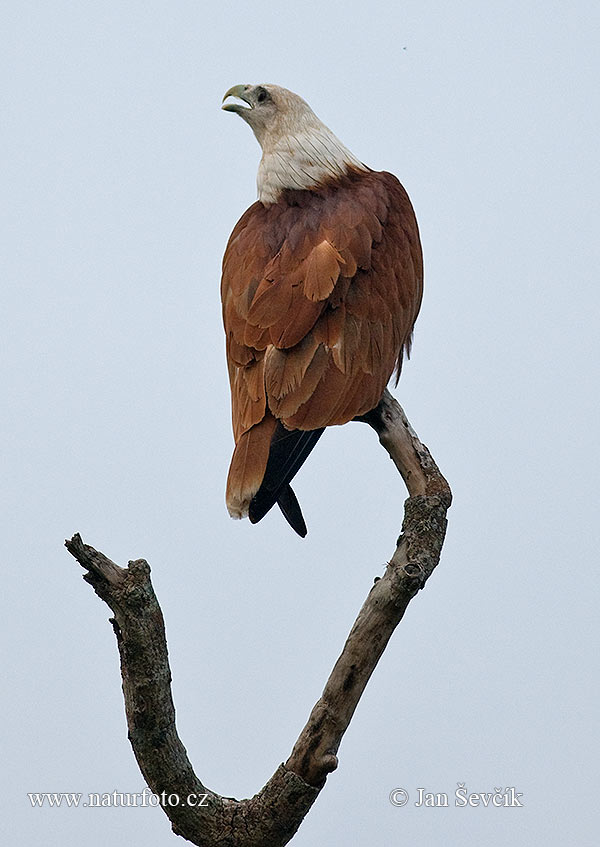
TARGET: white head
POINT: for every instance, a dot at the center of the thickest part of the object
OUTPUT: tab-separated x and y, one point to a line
299	151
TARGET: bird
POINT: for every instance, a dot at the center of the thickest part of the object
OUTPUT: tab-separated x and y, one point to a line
322	282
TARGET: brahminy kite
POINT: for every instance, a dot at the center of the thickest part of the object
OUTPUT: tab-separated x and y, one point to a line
322	283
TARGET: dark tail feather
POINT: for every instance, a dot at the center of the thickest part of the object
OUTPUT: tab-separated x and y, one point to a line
289	449
291	511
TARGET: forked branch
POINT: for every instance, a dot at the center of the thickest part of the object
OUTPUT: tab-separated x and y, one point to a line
271	817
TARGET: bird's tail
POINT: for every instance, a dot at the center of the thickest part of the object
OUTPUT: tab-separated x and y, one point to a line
248	465
288	451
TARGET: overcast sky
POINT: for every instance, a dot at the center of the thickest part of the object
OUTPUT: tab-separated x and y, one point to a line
121	181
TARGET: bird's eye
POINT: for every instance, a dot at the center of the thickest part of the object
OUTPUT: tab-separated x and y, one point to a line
261	95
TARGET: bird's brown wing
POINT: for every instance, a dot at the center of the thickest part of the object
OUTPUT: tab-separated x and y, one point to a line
320	294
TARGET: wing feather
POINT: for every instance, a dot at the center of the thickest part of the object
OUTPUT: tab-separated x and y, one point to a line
285	405
320	294
320	271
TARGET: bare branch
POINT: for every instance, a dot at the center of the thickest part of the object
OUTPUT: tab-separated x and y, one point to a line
198	814
417	553
271	817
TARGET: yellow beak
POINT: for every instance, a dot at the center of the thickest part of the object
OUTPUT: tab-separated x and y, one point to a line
241	92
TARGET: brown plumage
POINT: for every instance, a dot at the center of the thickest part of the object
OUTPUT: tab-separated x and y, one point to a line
321	287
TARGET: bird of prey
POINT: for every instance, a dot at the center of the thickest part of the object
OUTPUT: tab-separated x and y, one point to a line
322	283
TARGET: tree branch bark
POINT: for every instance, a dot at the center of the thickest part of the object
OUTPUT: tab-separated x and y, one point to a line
271	817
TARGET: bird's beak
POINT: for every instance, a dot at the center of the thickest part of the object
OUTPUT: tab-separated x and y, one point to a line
239	91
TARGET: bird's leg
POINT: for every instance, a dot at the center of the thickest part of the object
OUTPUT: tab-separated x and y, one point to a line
373	418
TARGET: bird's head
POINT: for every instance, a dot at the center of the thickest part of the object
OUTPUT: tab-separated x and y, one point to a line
299	151
271	111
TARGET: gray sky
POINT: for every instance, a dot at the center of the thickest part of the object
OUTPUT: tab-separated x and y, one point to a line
121	182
